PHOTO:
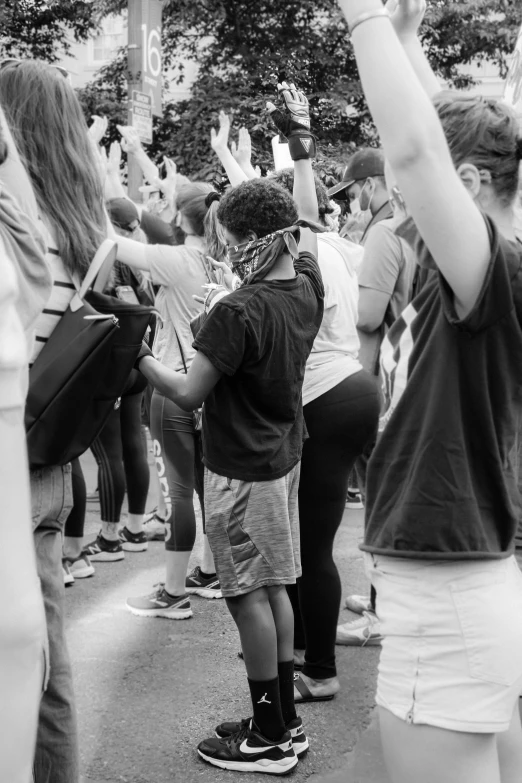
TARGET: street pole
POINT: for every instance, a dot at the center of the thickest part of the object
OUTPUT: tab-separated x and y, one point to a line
134	67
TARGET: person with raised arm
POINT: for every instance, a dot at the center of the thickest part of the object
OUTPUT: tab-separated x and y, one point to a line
248	371
442	499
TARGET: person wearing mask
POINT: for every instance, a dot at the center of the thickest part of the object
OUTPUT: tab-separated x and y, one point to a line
248	370
442	498
363	187
51	136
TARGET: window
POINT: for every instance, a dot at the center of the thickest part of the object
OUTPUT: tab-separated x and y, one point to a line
103	48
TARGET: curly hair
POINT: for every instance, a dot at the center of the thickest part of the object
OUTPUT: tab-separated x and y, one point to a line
285	177
259	205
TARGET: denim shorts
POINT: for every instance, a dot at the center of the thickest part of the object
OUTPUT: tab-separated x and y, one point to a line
452	641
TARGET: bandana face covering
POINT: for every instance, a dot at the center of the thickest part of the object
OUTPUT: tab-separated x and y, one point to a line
253	259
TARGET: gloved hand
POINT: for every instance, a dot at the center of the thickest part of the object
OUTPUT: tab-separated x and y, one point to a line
293	121
144	351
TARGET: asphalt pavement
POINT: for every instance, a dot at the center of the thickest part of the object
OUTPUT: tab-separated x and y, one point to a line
148	690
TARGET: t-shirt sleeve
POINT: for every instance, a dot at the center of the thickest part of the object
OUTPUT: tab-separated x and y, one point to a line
382	260
501	291
156	230
308	266
223	338
167	264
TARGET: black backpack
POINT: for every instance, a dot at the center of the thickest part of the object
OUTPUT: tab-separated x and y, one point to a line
83	368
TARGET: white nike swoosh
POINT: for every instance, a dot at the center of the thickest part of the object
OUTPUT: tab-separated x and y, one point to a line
246	748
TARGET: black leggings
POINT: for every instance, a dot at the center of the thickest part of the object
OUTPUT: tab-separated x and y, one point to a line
177	451
76	519
120	451
339	424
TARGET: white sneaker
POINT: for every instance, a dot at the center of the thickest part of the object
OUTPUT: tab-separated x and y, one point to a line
364	632
68	578
81	568
358	604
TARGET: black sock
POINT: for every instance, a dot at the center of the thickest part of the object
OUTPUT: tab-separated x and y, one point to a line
285	670
204	575
267	708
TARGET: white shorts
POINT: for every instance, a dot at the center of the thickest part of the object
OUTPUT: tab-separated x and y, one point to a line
452	649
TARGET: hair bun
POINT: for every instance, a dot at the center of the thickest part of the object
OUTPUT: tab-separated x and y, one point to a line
211	197
519	148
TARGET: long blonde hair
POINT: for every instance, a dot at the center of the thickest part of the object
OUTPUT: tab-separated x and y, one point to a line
50	132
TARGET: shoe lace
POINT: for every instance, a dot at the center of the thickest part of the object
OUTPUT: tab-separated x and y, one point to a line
236	739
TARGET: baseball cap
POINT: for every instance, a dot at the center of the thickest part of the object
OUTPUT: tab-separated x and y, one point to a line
365	163
123	213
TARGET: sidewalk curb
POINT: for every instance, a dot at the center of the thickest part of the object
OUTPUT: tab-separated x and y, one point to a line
365	764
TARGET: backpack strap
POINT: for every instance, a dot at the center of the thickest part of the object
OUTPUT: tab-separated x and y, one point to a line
97	274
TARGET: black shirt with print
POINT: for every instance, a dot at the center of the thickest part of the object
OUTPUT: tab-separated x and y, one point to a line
442	480
260	337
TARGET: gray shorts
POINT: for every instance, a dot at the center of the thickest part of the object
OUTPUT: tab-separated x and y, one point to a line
253	531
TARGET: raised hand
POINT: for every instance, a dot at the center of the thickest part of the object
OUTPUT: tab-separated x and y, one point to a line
293	121
406	16
114	159
219	140
242	152
98	129
130	139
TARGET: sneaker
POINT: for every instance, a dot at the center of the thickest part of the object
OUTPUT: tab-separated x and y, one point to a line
103	551
160	604
295	727
154	527
360	633
354	499
81	568
358	604
94	496
133	542
249	751
205	586
68	578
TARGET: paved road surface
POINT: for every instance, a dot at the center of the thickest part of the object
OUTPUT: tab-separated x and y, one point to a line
148	690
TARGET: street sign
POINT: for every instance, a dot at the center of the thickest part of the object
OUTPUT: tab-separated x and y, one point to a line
141	115
151	52
513	89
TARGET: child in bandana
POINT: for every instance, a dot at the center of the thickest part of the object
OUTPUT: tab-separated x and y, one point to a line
249	369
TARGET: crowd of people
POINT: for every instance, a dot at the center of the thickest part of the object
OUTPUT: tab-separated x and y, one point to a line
309	350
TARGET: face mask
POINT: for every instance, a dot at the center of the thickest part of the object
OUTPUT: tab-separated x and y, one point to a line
355	207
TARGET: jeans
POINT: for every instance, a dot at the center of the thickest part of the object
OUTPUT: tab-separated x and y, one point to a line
56	757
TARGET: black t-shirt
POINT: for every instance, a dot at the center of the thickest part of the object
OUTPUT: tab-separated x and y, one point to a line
442	480
260	337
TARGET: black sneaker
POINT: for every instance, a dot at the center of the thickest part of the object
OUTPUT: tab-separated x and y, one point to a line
249	751
205	586
102	550
133	542
295	727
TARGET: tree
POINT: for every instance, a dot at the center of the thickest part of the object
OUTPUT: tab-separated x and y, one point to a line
242	48
40	29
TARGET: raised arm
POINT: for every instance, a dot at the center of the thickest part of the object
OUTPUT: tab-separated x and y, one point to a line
444	211
293	121
242	153
131	144
406	17
219	143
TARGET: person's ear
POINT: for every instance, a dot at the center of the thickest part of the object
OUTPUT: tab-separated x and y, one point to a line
251	236
471	178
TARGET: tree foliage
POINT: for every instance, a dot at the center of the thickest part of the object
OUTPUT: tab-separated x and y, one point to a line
242	47
42	29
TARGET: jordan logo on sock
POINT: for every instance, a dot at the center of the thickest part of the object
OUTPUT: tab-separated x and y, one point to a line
264	700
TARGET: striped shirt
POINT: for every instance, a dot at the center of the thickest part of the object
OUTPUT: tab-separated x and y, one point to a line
62	292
